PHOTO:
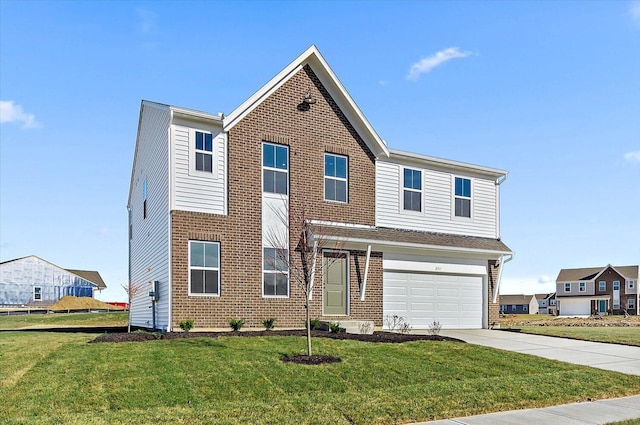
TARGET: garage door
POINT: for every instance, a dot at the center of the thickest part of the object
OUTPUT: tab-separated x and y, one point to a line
421	298
574	307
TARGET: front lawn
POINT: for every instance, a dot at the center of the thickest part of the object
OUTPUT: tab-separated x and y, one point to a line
59	378
619	335
118	318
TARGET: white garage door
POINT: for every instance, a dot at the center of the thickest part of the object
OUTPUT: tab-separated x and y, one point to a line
454	301
574	307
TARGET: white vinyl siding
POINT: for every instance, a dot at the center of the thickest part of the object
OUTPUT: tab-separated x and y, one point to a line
149	244
198	191
438	203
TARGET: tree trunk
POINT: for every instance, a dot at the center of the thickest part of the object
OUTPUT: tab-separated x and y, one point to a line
308	327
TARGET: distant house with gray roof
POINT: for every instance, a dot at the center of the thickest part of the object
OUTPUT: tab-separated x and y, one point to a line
518	304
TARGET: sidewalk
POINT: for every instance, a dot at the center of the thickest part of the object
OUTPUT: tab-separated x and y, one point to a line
586	413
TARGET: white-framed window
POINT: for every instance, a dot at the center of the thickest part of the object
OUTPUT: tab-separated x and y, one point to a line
335	177
412	190
616	285
602	285
204	268
462	197
203	152
525	308
275	272
567	287
631	303
513	308
275	168
631	284
37	293
144	199
552	301
616	304
582	287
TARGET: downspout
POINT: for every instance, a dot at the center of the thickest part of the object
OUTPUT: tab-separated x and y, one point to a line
503	260
366	273
313	268
498	182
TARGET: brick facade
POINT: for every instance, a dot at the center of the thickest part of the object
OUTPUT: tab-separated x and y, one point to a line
309	131
494	308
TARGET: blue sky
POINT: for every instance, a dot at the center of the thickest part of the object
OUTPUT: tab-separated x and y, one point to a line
549	91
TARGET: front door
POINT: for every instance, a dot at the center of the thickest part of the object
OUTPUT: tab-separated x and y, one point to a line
602	306
335	266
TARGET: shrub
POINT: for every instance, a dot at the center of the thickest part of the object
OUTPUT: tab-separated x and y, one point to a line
434	328
187	324
365	327
314	324
397	323
334	327
236	324
269	323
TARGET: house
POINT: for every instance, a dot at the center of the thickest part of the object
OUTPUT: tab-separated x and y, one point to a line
37	282
413	235
518	304
602	290
546	303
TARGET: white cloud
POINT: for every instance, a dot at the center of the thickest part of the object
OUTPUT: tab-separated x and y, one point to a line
146	20
633	157
544	279
427	64
634	11
11	112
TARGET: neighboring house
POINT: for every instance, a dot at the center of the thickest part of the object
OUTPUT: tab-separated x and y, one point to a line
415	236
518	304
551	304
34	281
545	301
602	290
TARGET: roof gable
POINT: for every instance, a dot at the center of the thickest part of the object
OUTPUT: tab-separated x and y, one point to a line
592	273
334	87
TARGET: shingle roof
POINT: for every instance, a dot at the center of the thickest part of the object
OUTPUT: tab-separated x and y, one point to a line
411	237
91	276
515	299
573	275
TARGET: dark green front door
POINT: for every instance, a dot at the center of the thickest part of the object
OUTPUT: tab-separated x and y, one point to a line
334	294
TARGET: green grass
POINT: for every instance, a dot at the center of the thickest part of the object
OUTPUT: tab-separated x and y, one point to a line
119	318
50	378
619	335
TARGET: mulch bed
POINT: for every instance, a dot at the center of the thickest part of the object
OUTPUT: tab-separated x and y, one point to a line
382	337
315	359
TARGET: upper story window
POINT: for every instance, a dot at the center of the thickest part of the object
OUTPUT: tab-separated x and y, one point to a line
412	190
567	287
275	272
602	285
583	287
204	268
462	197
275	168
335	177
616	285
552	301
204	152
631	284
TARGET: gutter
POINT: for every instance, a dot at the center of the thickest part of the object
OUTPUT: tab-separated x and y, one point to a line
503	260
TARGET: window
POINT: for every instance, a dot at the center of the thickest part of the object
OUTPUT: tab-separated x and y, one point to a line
525	308
513	308
37	293
275	168
144	197
412	190
275	272
567	287
602	285
616	285
583	287
204	152
204	268
463	197
616	304
335	177
631	284
552	302
631	303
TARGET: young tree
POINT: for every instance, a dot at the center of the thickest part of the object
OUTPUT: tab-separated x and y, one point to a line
132	290
300	263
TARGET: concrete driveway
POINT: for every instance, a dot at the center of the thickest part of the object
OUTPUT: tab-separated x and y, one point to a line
619	358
